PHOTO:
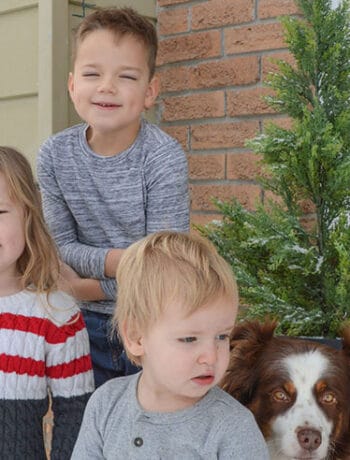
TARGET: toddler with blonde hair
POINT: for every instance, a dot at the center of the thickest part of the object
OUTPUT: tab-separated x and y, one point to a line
176	308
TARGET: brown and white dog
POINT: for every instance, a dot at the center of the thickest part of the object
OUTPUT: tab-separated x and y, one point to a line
298	391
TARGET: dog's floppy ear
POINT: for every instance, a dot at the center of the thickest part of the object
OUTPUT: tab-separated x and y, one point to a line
254	332
247	341
345	333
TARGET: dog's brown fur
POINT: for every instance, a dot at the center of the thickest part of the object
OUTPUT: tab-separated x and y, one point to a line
254	370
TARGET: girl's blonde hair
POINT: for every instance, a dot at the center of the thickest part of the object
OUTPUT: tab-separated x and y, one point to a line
165	267
38	265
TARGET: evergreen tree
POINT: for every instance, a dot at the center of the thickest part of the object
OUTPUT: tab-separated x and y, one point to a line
297	273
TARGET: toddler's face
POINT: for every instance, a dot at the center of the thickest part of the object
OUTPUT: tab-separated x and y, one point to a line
12	240
185	355
110	85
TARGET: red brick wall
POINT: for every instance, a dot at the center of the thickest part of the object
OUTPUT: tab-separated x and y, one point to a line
213	58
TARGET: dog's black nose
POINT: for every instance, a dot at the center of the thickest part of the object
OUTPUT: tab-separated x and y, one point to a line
309	439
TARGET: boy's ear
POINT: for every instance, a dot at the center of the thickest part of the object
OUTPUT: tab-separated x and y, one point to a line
70	84
152	92
132	339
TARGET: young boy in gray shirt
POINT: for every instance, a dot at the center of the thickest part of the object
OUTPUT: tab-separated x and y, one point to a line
177	305
113	179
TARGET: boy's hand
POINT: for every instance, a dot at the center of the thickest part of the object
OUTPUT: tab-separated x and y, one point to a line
87	289
111	262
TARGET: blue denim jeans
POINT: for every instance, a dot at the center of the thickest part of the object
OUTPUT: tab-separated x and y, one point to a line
108	357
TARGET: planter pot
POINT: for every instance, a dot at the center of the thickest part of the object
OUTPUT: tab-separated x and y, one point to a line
334	343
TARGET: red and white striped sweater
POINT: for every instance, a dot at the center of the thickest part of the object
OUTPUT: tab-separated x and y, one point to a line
42	347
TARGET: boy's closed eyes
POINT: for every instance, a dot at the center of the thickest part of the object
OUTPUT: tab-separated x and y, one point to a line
96	74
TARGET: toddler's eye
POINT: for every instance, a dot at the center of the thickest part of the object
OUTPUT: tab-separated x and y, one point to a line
90	74
188	339
223	337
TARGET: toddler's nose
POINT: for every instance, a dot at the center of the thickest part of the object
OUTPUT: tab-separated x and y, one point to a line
208	354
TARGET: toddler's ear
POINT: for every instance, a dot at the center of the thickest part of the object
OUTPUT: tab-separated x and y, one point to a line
152	92
132	339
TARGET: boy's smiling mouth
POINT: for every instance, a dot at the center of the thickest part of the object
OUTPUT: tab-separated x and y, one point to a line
106	105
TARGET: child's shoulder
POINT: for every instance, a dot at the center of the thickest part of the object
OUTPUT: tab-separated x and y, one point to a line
115	387
237	423
153	130
60	307
68	135
115	393
153	136
156	145
227	405
57	307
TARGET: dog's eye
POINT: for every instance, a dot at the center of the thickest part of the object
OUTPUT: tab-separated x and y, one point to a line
280	396
329	398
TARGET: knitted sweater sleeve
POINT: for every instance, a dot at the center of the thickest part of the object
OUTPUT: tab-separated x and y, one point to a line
87	260
70	379
167	205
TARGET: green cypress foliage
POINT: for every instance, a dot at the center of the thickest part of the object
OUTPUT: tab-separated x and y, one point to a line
297	273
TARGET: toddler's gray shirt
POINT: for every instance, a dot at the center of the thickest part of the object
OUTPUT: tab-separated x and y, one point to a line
93	203
116	428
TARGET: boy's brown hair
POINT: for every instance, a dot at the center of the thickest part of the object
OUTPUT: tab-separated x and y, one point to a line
121	21
168	267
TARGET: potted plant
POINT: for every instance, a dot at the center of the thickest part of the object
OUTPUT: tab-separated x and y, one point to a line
292	255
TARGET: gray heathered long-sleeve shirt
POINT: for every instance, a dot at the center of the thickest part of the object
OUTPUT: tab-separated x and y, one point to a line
115	427
93	203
